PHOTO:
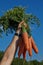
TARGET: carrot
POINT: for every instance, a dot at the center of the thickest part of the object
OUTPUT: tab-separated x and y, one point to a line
20	51
30	47
30	50
21	47
34	45
25	37
24	53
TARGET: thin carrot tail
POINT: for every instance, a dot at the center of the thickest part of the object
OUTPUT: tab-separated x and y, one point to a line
24	54
20	51
19	54
30	46
30	50
34	46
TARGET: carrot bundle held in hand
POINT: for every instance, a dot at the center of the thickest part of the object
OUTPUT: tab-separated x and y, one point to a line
26	43
22	48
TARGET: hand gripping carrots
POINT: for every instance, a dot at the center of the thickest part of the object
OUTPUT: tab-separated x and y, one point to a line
26	43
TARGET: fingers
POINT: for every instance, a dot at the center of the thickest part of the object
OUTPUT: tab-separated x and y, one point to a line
22	22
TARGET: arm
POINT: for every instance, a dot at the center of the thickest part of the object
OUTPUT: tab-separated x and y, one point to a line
10	51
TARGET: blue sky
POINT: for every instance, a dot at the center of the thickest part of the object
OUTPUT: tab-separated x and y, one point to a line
36	8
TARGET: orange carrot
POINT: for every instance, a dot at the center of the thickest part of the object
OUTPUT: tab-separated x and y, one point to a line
30	47
30	50
20	51
34	45
25	37
21	47
24	53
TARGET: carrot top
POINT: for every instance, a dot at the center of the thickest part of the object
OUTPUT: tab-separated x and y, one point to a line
23	29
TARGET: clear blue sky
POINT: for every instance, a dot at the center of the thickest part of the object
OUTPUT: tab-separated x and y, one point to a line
33	6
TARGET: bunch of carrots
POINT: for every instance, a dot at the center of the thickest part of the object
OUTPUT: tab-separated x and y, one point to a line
26	43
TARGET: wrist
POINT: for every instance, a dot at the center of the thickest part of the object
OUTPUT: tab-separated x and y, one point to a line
17	34
18	30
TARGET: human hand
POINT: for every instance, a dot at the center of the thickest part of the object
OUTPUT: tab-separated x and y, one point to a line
20	25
